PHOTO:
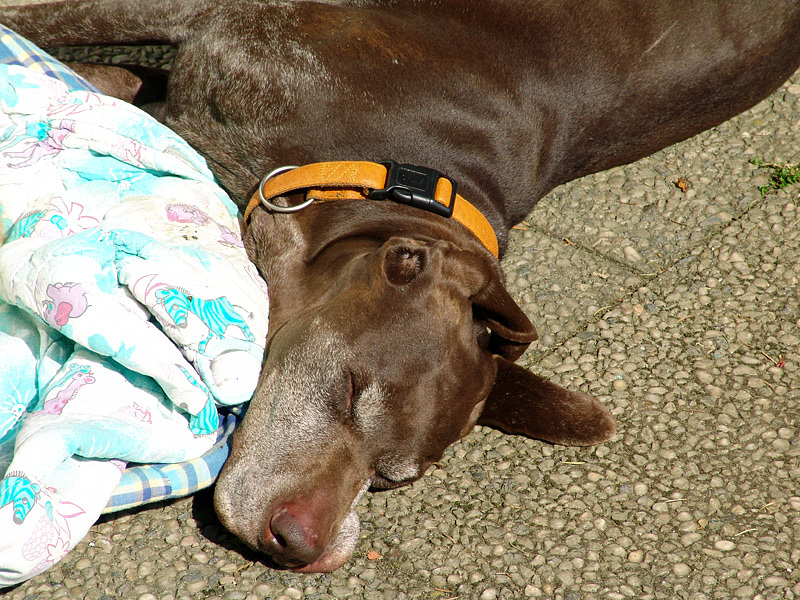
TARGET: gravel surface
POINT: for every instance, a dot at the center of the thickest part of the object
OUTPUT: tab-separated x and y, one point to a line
680	311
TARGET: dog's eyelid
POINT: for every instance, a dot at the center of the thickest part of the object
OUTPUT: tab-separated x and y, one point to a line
352	388
343	393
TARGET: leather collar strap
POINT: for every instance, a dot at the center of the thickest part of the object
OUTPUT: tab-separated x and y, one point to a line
348	180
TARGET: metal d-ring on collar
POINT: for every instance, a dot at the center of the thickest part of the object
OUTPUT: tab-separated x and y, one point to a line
275	207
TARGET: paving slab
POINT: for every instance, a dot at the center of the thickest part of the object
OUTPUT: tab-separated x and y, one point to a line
701	368
639	216
560	286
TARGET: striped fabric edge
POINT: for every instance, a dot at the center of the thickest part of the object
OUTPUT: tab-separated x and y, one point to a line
16	50
143	484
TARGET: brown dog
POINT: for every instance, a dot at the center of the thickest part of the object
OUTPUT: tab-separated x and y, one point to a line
391	331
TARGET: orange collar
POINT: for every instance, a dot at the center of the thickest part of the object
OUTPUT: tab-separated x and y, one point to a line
347	180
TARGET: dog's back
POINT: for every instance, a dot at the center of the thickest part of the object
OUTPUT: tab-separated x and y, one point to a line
538	92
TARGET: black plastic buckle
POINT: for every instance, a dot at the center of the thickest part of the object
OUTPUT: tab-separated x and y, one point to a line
415	186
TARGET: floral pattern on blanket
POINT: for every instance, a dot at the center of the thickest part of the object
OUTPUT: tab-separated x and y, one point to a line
128	309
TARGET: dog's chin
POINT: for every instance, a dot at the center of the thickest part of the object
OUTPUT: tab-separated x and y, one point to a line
340	549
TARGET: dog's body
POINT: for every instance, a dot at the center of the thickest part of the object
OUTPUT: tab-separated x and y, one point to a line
391	331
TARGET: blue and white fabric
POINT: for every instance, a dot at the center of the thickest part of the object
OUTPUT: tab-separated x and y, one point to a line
129	313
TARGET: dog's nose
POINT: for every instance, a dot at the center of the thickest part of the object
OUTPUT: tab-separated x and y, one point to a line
292	540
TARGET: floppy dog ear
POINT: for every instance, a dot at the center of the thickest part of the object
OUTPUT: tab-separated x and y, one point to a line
523	403
492	306
511	330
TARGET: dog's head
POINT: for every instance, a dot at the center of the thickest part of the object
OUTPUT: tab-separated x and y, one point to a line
383	350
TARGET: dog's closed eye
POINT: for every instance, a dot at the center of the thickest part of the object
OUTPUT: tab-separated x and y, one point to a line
351	391
342	394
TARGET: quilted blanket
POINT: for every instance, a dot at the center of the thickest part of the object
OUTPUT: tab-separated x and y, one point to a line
129	312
